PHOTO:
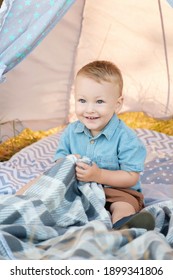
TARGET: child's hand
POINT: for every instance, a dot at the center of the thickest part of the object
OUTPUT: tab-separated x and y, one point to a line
87	173
77	156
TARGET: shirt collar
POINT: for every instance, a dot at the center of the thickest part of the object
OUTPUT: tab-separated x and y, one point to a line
80	128
110	128
108	131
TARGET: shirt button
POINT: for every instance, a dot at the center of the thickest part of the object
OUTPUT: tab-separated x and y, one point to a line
92	141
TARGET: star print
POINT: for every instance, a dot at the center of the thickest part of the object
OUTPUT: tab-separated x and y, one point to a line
12	37
52	2
29	36
28	2
6	30
36	15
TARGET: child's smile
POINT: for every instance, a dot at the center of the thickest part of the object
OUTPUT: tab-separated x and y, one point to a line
91	118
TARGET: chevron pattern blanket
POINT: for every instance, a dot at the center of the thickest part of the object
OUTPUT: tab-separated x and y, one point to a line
58	218
38	157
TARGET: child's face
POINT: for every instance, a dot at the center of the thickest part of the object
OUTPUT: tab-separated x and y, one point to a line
95	103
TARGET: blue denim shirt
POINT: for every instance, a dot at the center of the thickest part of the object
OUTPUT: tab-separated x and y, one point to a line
117	147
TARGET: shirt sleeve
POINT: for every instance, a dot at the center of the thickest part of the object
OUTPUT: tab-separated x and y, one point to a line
132	154
63	148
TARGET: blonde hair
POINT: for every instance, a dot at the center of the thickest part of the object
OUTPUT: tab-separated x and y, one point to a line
101	70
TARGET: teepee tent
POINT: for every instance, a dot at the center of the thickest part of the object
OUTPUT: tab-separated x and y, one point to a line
44	43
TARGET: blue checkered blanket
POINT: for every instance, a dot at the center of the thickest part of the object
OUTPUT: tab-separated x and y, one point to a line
60	218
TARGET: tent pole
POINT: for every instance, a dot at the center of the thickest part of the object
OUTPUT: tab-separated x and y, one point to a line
166	55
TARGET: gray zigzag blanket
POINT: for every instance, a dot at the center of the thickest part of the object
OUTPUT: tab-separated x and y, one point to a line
58	218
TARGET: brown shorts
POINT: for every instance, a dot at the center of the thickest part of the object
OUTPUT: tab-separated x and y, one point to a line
133	197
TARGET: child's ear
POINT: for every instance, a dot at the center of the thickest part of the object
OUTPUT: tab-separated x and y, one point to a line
119	104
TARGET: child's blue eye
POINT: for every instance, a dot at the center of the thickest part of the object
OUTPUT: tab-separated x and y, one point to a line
100	101
82	100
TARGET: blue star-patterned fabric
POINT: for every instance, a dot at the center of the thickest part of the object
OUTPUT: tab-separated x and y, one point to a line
170	2
23	25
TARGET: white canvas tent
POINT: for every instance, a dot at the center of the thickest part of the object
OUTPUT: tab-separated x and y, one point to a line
135	35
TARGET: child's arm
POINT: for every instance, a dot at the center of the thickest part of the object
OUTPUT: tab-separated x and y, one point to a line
113	178
63	148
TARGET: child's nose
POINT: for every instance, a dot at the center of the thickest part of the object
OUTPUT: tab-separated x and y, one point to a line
90	108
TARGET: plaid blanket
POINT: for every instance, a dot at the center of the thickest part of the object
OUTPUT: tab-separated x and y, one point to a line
60	218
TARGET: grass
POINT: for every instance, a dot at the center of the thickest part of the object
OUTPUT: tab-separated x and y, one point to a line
141	120
24	139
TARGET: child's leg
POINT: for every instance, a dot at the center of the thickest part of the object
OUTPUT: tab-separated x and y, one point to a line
121	209
124	215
